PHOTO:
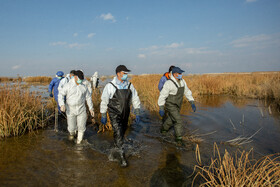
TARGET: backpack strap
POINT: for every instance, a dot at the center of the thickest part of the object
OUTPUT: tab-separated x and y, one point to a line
129	85
174	83
114	85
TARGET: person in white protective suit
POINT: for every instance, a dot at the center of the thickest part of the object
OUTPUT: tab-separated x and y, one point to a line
76	94
95	80
66	80
87	84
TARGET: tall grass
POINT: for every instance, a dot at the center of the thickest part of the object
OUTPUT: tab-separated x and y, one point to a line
8	79
38	79
20	111
251	85
239	170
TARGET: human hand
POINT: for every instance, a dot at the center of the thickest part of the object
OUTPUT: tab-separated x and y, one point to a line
161	113
103	120
193	107
91	113
137	120
62	108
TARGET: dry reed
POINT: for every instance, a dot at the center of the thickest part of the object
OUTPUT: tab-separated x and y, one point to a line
250	85
20	111
38	79
239	170
9	79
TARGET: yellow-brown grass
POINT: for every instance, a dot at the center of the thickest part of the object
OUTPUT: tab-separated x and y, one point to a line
8	79
239	170
251	85
38	79
20	111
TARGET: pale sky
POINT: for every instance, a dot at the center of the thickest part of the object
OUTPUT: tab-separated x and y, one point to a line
41	37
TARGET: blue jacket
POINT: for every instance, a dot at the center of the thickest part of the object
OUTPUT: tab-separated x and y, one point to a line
53	86
163	80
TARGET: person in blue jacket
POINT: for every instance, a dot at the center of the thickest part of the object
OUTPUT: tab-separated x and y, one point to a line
164	78
53	87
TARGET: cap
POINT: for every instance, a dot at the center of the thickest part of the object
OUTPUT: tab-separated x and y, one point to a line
177	70
60	73
80	74
122	68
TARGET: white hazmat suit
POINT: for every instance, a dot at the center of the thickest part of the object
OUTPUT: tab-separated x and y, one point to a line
94	80
76	95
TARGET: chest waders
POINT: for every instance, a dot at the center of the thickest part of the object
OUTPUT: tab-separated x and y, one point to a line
119	110
173	106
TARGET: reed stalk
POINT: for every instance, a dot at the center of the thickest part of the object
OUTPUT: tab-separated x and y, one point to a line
239	170
20	111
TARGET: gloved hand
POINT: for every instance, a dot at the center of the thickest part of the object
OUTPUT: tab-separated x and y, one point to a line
62	108
103	120
161	113
193	107
91	113
137	120
51	95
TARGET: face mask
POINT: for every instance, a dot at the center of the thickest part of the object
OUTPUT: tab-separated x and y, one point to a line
179	77
59	77
79	81
124	77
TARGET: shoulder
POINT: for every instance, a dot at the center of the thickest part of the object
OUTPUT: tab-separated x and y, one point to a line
109	85
163	78
131	85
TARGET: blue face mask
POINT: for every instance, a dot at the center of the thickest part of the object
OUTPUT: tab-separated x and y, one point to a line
179	77
79	81
59	77
124	77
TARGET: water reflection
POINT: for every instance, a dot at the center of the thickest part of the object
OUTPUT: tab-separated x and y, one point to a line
172	174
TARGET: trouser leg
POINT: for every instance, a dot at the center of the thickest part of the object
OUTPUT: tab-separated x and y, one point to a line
167	123
119	131
177	120
81	124
71	124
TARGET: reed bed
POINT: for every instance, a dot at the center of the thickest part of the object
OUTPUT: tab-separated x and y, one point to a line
250	85
239	170
20	111
38	79
10	79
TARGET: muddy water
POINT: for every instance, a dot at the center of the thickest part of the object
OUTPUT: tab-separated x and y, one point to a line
47	158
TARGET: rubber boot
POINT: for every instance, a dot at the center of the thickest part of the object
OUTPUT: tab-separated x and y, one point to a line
123	161
71	136
80	137
179	141
163	131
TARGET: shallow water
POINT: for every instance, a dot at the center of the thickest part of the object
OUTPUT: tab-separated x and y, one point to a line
47	158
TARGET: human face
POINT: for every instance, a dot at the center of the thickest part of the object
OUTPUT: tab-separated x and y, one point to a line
178	76
122	76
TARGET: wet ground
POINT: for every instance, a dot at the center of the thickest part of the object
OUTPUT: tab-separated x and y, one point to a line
47	158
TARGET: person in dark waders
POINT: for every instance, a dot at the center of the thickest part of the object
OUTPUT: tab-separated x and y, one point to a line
117	97
170	100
